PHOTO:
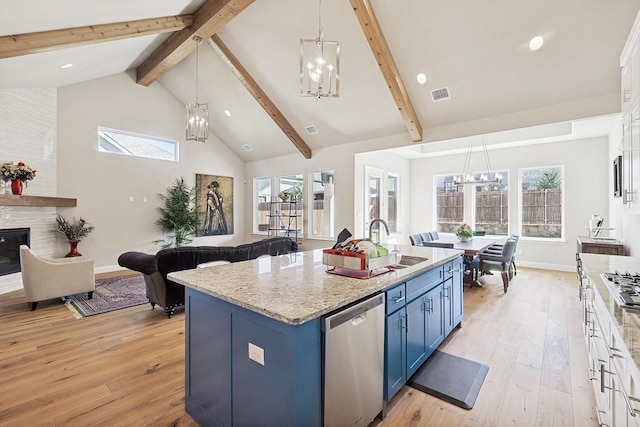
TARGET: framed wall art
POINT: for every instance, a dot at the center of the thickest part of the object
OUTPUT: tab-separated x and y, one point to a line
214	201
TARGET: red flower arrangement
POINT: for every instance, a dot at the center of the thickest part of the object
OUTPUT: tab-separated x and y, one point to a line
11	171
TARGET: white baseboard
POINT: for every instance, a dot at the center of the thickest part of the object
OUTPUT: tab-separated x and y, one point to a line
546	266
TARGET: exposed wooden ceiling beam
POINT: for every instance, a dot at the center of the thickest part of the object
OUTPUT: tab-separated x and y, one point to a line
25	44
207	20
256	91
381	51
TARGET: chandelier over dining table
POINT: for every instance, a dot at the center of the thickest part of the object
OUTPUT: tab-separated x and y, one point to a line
486	177
319	65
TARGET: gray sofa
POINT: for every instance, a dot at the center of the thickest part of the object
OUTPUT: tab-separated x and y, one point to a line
168	294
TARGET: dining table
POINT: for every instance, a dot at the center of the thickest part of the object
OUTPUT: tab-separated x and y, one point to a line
471	248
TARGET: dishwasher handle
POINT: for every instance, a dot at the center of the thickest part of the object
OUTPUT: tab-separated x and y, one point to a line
353	314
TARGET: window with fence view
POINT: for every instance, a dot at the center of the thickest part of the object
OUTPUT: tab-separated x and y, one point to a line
541	196
490	205
449	204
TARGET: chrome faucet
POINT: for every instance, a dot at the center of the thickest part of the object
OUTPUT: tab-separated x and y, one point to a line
382	221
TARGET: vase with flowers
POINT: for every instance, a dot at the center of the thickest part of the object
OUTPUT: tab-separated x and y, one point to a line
464	232
18	174
74	232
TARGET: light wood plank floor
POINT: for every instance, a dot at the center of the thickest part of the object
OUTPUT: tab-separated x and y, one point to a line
126	368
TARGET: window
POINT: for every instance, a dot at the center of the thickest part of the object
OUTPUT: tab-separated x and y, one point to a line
392	203
492	207
542	202
262	190
323	209
294	186
131	144
487	210
449	204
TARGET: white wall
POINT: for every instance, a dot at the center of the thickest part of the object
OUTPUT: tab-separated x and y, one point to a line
585	164
28	134
585	191
103	183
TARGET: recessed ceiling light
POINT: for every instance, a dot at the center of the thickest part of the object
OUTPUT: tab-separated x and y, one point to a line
65	66
227	113
421	78
247	147
536	43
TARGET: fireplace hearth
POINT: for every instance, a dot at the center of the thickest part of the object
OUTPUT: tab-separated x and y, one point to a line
10	241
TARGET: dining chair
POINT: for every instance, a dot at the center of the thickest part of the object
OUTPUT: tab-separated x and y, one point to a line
434	235
416	239
501	262
438	245
426	237
497	248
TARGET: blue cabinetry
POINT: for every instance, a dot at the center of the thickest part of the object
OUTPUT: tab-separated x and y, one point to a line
452	295
420	313
227	386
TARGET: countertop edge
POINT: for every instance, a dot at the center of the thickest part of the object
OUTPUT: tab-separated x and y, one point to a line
225	293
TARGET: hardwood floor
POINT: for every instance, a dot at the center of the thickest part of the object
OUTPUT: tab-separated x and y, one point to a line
126	368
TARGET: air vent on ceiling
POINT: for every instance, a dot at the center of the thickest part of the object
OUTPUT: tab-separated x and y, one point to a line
311	130
440	94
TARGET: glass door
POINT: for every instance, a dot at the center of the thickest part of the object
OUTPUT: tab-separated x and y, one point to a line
373	200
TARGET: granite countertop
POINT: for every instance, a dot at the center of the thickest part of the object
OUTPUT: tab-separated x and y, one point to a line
296	287
625	320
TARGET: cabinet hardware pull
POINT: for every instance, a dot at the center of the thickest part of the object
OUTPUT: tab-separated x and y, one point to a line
404	324
398	299
600	422
612	354
603	371
632	411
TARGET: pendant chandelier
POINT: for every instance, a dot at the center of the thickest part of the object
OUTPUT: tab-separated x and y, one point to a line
319	65
197	128
484	178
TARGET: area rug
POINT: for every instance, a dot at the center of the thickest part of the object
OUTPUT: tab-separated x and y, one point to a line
111	294
450	378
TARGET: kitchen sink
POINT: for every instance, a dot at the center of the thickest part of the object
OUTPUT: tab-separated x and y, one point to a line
411	260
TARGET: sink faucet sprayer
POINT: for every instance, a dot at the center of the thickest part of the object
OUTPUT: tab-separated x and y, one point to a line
386	227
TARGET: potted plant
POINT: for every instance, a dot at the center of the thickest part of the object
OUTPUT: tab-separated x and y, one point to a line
464	232
74	232
179	217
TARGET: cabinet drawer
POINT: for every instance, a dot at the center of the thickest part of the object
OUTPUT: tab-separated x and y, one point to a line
421	284
395	298
452	267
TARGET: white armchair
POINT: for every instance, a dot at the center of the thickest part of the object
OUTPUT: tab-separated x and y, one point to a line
45	279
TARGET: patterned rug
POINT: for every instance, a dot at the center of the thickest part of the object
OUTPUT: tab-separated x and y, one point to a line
111	294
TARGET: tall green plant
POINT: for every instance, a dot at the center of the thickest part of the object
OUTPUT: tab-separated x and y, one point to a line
179	218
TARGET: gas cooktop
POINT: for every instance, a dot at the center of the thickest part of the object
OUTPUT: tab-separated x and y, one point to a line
625	288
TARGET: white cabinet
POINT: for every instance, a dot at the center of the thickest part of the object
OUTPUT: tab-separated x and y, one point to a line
630	106
614	375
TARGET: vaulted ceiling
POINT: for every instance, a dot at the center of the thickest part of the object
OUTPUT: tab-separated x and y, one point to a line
476	48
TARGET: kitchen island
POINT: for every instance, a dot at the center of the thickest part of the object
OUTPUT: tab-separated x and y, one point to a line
253	333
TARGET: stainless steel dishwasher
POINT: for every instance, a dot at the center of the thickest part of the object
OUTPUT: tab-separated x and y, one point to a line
354	364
